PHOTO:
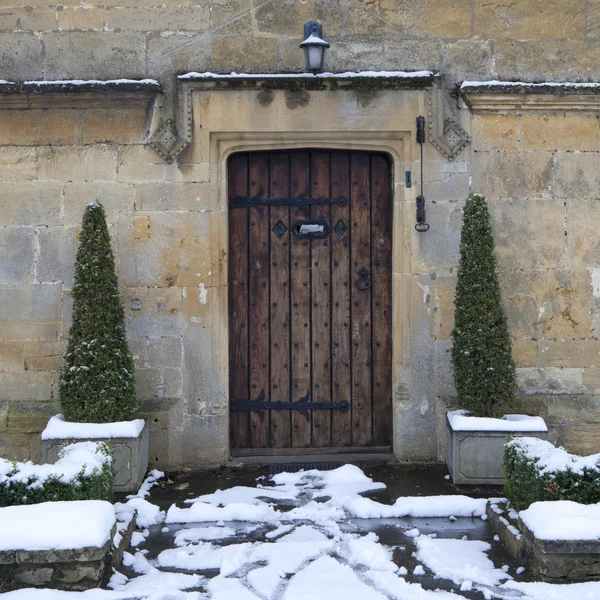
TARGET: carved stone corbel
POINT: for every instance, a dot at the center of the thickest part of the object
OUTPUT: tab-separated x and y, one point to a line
444	132
170	137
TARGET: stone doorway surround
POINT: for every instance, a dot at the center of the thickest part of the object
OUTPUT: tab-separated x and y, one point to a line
229	114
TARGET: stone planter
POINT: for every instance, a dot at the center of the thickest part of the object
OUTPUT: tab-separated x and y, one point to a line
475	445
128	440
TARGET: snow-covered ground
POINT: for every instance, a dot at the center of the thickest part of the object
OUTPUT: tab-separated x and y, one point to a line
310	536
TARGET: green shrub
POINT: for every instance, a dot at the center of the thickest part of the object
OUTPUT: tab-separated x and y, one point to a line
537	471
97	383
484	371
84	471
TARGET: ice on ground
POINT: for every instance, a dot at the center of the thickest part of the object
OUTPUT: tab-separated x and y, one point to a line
563	520
327	579
58	428
461	421
147	513
281	530
203	534
74	459
155	582
413	506
459	560
397	588
56	525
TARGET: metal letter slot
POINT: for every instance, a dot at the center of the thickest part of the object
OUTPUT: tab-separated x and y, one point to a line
316	229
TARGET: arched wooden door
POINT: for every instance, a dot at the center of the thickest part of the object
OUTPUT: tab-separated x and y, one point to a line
310	269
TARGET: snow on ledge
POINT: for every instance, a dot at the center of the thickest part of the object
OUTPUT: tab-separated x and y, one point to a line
563	520
56	525
94	82
345	75
460	421
57	428
495	84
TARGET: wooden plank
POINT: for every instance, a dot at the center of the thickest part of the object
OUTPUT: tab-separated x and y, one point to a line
321	304
360	213
300	303
340	307
280	301
381	259
238	299
382	450
258	293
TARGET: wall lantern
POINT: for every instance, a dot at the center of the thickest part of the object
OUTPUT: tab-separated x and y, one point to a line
314	47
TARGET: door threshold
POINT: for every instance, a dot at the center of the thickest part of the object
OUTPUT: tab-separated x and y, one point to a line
314	457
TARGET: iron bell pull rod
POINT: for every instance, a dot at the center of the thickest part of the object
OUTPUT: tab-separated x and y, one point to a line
421	226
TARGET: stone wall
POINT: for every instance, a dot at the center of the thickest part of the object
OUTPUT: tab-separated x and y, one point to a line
169	224
466	39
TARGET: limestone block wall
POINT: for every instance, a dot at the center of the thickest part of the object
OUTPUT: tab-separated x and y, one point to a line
539	170
466	39
53	161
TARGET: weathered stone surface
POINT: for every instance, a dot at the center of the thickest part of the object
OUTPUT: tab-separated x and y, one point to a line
114	197
31	203
28	385
549	380
81	17
243	54
94	55
551	304
568	353
17	247
56	260
357	55
192	17
38	127
524	353
21	53
495	132
536	19
576	175
467	59
528	233
409	55
43	355
512	174
126	126
78	163
18	164
172	196
555	60
564	132
12	356
582	245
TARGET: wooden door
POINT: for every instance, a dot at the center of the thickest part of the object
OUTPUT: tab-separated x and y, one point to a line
310	253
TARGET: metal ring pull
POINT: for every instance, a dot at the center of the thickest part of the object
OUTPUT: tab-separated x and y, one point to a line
363	279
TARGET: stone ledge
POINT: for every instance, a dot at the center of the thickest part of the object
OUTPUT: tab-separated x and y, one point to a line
75	93
496	96
382	80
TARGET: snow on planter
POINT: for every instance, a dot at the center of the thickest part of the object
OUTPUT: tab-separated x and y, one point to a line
83	471
57	428
474	445
127	439
538	471
57	544
563	520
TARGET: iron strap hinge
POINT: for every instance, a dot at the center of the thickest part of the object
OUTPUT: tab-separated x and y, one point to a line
303	406
302	201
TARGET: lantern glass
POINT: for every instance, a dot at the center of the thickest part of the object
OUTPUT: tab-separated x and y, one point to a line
314	56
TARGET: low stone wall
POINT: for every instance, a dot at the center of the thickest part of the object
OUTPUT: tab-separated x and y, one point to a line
77	569
550	560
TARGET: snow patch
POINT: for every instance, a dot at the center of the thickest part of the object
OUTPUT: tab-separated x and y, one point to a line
563	520
57	428
460	421
345	75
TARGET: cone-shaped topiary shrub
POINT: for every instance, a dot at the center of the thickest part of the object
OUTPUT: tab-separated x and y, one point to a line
97	383
484	371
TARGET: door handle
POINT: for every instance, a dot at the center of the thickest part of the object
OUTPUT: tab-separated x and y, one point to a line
363	279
